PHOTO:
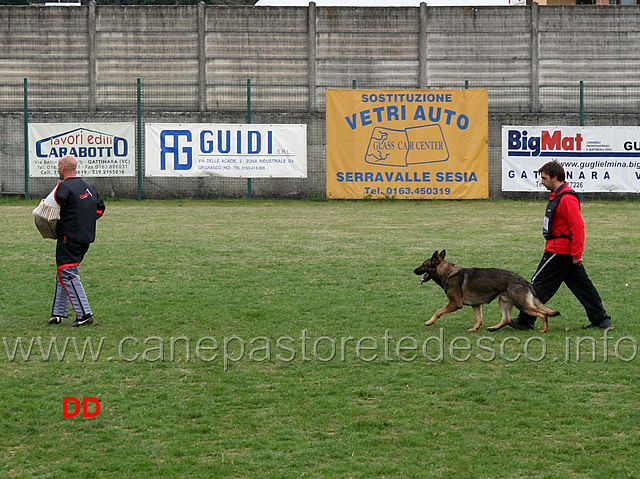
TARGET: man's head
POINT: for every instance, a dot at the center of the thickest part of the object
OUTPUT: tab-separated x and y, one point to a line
67	167
552	175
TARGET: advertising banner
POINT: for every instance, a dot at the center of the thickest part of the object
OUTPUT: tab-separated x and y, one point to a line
595	158
249	151
407	144
102	149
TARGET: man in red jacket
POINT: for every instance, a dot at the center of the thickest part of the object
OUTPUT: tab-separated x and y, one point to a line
562	258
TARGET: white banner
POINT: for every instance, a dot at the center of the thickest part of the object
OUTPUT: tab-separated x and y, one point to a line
102	149
249	151
595	159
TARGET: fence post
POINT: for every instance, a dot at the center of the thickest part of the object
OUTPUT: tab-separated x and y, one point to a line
26	142
249	122
581	102
313	56
422	47
534	80
202	58
581	119
139	138
93	71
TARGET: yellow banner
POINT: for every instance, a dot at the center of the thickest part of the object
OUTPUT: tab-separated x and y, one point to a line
407	144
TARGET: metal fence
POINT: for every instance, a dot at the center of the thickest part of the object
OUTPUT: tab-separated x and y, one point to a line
558	104
162	96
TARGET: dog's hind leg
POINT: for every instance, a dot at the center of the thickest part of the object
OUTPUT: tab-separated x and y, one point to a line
545	323
505	307
449	308
542	315
535	307
477	312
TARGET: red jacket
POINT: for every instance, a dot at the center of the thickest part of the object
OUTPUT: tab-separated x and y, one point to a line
567	220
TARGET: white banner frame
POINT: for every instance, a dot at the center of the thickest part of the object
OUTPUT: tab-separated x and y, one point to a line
226	150
102	149
596	159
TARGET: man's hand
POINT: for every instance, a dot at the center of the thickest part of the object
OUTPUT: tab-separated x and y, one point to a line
577	260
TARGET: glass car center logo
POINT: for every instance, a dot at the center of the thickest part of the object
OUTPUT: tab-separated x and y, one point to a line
82	143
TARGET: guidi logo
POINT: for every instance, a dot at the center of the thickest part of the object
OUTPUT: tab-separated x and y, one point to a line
85	409
549	143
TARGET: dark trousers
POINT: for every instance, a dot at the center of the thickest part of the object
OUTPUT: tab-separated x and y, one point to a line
70	252
555	269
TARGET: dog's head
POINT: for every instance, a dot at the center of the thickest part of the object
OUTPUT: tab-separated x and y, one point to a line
429	267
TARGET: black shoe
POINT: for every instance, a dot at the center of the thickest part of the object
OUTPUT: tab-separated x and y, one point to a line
55	320
606	324
82	322
517	324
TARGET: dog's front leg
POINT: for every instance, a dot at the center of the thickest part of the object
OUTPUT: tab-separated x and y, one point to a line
449	308
477	312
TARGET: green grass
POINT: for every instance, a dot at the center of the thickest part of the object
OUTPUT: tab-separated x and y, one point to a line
284	339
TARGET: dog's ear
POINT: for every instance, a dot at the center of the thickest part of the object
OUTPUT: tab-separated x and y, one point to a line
443	253
435	256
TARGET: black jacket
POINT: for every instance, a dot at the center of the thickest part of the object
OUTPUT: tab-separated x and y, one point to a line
80	206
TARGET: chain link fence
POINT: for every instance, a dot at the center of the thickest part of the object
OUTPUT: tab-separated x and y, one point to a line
71	102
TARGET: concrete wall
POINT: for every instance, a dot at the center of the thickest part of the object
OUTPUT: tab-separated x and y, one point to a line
194	61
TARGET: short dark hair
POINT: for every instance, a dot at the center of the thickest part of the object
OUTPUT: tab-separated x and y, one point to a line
553	169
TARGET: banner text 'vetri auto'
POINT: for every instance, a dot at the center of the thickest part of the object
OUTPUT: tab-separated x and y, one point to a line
407	144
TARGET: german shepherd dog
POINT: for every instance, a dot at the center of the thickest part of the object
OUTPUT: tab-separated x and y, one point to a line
478	286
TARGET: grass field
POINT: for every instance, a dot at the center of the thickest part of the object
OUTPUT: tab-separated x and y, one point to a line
283	339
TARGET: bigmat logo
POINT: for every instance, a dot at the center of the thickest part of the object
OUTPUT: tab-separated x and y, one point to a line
548	143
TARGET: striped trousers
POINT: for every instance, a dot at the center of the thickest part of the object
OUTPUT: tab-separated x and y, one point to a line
69	289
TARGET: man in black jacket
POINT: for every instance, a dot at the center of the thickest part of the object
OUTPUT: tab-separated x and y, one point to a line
80	207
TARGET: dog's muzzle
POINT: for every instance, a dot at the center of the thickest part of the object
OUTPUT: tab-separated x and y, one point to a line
420	271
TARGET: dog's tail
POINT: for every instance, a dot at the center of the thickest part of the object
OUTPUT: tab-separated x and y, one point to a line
533	305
